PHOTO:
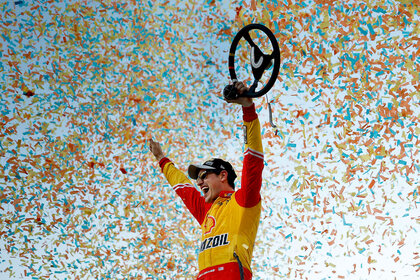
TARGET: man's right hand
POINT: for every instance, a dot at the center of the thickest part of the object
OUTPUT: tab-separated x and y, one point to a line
156	149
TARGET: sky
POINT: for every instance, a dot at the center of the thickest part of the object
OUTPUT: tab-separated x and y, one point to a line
84	84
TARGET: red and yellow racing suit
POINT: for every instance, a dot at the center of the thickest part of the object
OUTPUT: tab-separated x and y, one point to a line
229	225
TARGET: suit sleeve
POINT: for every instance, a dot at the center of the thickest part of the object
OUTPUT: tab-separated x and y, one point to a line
249	193
184	189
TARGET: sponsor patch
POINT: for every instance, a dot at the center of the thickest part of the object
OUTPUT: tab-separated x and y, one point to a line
214	241
209	225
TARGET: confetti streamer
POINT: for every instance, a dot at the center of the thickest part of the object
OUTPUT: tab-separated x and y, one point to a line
84	84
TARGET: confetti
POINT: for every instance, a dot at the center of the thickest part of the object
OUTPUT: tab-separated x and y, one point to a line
84	84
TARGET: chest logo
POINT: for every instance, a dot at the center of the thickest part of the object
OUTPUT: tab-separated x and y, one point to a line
214	241
209	224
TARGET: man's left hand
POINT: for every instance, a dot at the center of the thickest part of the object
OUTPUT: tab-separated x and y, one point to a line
244	101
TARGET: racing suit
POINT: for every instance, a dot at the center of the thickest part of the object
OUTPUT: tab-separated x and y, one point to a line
229	225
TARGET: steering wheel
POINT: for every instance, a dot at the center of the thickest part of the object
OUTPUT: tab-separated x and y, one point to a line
259	62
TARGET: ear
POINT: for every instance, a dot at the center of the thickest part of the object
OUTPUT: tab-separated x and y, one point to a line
223	175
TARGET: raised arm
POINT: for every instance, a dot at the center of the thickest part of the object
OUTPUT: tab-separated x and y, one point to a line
180	183
249	194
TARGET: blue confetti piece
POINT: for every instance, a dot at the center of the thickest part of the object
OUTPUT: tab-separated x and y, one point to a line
371	29
316	98
379	9
276	26
364	32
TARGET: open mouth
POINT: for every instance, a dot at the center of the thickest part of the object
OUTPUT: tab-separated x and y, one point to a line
205	190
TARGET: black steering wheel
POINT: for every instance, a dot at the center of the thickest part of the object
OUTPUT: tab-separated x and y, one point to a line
259	62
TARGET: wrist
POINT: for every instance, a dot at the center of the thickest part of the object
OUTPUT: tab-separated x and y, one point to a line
163	162
249	113
247	104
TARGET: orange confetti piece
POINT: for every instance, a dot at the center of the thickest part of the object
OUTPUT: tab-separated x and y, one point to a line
371	184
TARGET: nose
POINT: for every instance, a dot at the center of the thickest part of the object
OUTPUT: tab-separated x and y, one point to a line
199	181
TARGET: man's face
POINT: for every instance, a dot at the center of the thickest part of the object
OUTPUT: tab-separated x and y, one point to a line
209	184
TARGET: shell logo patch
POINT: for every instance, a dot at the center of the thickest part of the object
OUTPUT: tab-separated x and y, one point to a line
209	225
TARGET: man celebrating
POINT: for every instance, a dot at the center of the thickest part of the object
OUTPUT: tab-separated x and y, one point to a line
229	219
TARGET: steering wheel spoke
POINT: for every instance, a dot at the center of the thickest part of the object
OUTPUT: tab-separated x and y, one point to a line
248	38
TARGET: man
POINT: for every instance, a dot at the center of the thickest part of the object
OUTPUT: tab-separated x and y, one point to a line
229	219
